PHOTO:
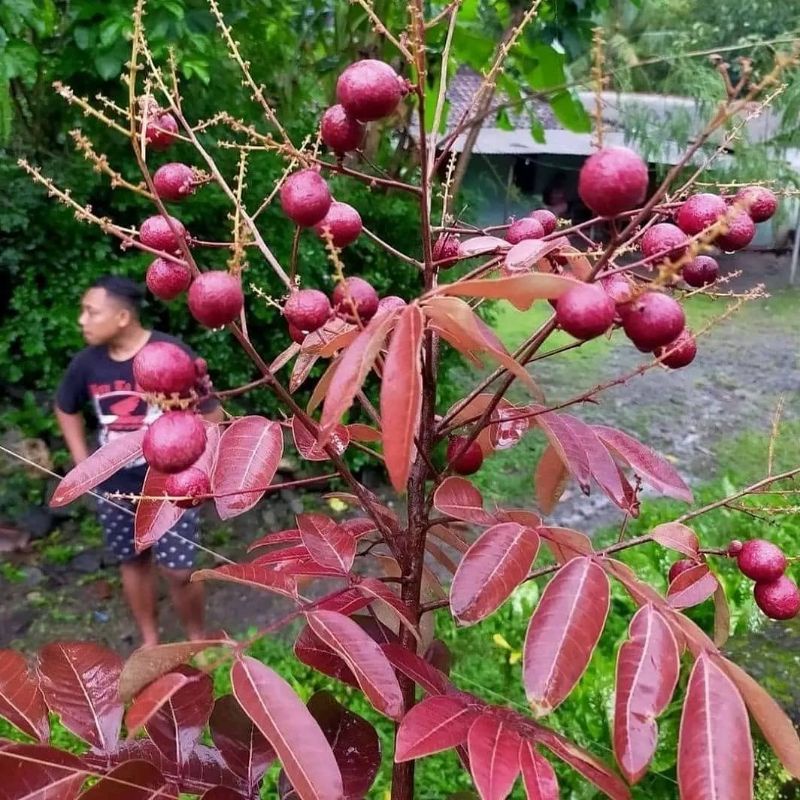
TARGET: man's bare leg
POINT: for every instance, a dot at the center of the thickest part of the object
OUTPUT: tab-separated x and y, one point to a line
189	601
139	588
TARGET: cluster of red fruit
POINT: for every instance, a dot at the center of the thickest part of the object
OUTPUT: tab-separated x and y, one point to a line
765	563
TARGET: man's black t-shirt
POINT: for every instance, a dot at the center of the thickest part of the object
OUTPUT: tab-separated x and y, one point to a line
117	402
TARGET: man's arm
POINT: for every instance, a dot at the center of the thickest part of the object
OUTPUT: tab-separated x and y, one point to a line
74	432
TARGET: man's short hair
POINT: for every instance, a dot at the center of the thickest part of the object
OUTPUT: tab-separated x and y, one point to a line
125	290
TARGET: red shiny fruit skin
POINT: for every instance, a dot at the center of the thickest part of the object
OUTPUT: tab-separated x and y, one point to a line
735	547
778	599
680	566
665	239
389	302
295	334
190	483
466	463
445	250
341	132
652	320
702	271
174	441
155	232
613	180
200	367
524	228
547	219
305	197
585	311
174	181
355	290
617	287
761	561
161	131
164	368
741	230
682	350
307	309
215	298
761	202
344	223
699	212
167	279
369	90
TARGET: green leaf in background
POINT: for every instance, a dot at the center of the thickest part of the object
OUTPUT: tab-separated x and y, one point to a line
570	112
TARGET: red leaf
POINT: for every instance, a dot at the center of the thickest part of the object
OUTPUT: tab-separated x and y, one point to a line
692	587
302	369
249	453
715	753
345	601
432	680
328	544
222	793
283	555
480	245
153	517
290	536
677	537
321	387
775	725
524	255
401	395
519	290
364	433
152	699
586	764
433	725
493	757
354	366
537	774
550	479
563	633
722	616
648	664
243	747
21	701
176	727
257	575
307	567
308	447
133	780
458	498
39	772
359	526
378	590
652	468
354	741
565	442
80	683
450	537
565	544
508	423
279	714
101	464
363	656
496	563
310	650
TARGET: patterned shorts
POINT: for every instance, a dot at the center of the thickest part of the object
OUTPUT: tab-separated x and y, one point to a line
174	550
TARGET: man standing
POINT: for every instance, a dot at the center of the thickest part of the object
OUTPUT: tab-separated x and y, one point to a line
102	374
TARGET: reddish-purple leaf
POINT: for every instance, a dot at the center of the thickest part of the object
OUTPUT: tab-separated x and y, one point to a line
565	544
715	752
152	699
563	633
176	727
480	245
39	772
777	728
519	290
295	735
458	498
243	747
309	568
522	257
154	517
653	469
377	590
249	452
321	387
401	395
722	616
21	701
290	536
564	440
550	479
345	601
538	776
310	650
678	537
354	741
431	679
329	544
133	780
283	555
508	423
496	563
692	587
594	770
282	359
101	464
259	576
433	725
80	683
363	656
364	433
222	793
493	757
354	366
359	526
307	445
450	537
648	664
